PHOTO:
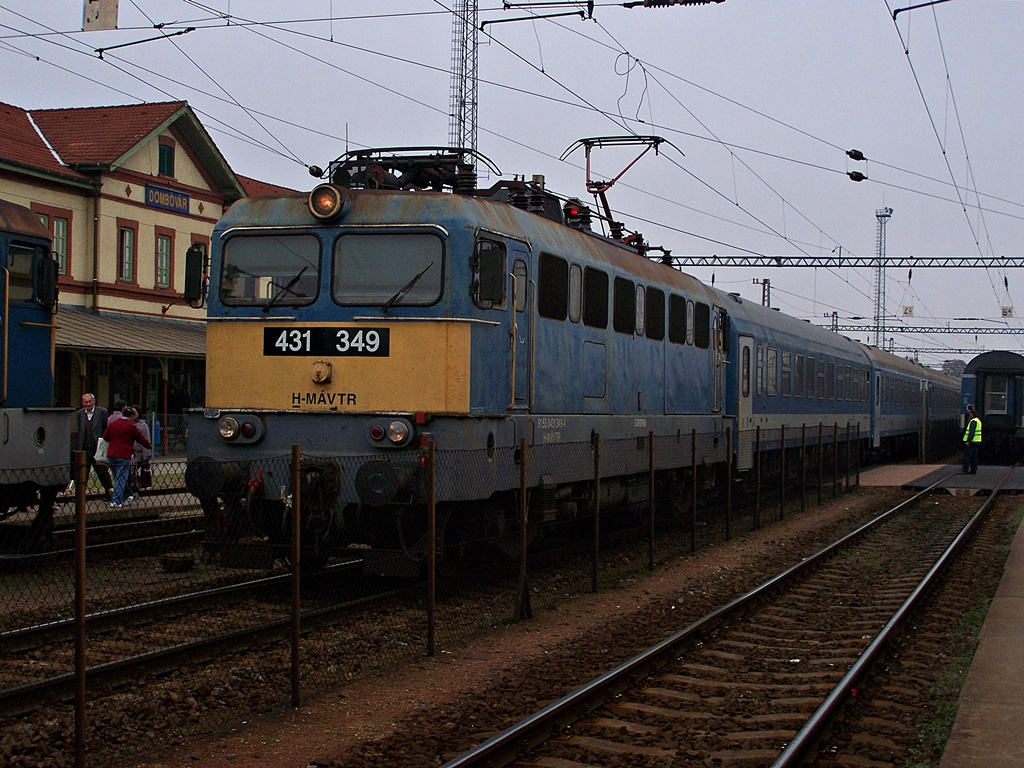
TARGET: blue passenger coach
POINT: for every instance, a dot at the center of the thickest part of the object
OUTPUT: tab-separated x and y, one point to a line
34	436
994	383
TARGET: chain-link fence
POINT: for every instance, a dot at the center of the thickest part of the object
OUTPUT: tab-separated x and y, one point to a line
168	617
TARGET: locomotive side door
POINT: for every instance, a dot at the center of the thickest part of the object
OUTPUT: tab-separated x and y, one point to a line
745	406
522	328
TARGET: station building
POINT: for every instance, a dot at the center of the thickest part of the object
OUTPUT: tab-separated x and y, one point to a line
125	191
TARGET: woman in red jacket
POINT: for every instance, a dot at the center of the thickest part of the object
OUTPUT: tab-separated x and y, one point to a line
122	434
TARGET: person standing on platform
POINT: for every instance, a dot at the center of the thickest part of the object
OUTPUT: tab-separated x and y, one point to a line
972	442
91	421
122	434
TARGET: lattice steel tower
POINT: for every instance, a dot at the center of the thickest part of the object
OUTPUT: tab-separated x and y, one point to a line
463	105
882	214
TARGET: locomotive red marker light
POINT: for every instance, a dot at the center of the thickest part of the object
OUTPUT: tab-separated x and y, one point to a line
248	429
377	432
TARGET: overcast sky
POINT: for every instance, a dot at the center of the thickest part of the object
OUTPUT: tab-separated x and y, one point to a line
759	101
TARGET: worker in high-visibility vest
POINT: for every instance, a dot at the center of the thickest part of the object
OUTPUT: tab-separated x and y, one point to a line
972	442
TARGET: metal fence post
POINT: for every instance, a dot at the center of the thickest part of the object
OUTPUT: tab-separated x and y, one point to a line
431	545
296	567
835	457
728	483
597	511
524	610
650	533
81	726
782	480
757	484
821	457
803	467
693	517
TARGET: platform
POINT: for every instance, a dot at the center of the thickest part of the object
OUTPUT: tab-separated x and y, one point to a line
987	731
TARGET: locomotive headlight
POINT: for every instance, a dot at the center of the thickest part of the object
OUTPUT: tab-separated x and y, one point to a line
228	428
398	432
326	202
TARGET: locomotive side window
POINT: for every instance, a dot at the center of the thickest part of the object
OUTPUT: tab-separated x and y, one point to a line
641	302
387	268
702	326
595	298
655	314
283	269
995	394
676	319
20	262
519	273
489	275
575	292
689	323
624	306
798	376
787	374
553	287
771	364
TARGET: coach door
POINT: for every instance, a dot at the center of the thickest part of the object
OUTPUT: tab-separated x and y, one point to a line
745	406
522	329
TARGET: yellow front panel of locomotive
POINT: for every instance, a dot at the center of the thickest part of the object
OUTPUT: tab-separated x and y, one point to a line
426	367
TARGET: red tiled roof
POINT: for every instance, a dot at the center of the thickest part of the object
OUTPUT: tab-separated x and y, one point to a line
257	188
21	143
102	135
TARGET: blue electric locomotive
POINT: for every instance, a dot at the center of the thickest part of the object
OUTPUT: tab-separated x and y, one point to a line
397	304
35	447
994	383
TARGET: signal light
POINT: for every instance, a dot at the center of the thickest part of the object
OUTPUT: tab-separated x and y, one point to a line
576	214
326	202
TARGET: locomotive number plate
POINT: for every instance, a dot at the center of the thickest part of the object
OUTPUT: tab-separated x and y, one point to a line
326	342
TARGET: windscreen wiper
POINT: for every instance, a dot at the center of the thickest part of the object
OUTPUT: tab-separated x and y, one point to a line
285	289
404	289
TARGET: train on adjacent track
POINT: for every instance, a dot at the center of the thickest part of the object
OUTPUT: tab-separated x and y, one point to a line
34	436
397	304
994	383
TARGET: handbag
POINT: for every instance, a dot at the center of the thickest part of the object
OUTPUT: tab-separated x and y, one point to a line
145	475
101	451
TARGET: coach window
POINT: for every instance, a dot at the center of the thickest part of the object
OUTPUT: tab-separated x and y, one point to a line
489	275
702	325
641	307
810	377
676	319
689	323
821	379
760	369
771	365
655	314
798	376
830	382
840	384
575	292
995	394
595	298
745	372
624	306
787	374
553	287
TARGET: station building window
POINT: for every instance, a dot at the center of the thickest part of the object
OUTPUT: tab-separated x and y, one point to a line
165	163
127	237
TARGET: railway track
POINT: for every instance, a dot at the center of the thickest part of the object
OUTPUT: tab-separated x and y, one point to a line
756	681
126	643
